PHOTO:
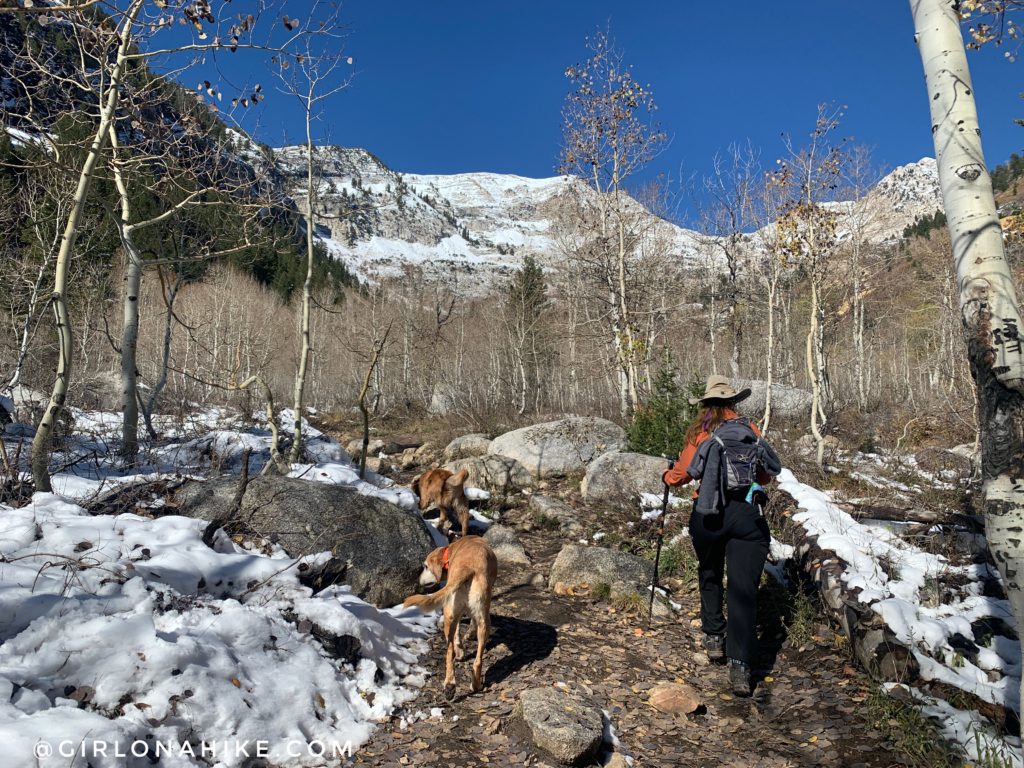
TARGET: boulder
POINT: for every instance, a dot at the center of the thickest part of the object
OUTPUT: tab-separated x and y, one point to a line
557	509
506	545
377	548
442	400
807	443
567	727
475	444
622	572
674	698
99	392
373	448
26	405
940	461
787	402
618	476
495	474
557	448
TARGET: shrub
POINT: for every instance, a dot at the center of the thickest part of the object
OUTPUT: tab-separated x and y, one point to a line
659	425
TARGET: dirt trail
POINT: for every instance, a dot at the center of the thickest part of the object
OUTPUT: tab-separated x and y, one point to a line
809	709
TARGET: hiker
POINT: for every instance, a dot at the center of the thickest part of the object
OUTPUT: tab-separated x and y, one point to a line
726	526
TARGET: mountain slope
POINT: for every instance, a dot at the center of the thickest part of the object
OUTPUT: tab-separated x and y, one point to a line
474	228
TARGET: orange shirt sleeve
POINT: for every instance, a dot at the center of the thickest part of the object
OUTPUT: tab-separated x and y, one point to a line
677	475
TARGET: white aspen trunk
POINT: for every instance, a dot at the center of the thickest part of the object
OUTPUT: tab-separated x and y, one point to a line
165	356
819	361
129	348
859	351
773	285
988	301
711	332
65	340
812	374
27	331
307	289
130	313
627	326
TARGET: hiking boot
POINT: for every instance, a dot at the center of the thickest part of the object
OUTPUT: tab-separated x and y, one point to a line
714	646
739	677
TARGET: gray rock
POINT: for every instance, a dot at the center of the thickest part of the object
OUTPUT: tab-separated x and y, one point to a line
466	446
506	545
567	727
496	474
549	507
617	476
354	447
807	443
99	392
442	400
787	402
623	572
940	461
557	448
28	404
378	548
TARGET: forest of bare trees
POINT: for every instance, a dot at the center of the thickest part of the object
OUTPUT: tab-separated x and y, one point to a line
796	284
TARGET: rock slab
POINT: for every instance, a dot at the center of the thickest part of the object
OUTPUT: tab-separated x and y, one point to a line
565	726
495	474
506	545
558	448
675	698
464	447
620	476
623	572
377	548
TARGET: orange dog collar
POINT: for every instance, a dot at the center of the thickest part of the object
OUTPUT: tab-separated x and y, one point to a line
444	559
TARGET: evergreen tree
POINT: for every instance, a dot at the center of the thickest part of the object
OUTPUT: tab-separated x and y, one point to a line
525	312
659	425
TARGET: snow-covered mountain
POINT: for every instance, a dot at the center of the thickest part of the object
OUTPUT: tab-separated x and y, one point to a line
474	228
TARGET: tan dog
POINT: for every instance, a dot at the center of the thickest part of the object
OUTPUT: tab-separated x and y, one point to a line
447	491
471	569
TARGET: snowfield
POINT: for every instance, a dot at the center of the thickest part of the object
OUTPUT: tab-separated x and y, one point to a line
125	631
125	638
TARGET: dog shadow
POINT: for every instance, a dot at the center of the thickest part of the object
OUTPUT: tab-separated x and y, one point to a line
527	641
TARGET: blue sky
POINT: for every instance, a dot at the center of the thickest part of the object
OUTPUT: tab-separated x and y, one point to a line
453	86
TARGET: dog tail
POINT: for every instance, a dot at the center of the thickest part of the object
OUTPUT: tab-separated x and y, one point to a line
427	603
415	487
435	600
458	479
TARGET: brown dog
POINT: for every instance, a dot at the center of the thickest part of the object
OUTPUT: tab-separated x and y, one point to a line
471	568
447	491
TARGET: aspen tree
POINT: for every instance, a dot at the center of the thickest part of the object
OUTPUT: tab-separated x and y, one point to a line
988	301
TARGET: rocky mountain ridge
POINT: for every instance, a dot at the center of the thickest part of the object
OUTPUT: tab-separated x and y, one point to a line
474	228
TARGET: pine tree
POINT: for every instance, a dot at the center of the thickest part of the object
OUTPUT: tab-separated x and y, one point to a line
659	425
525	311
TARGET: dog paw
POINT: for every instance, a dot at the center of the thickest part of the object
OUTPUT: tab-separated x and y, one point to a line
478	686
449	691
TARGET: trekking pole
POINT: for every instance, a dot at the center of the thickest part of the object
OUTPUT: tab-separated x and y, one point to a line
657	552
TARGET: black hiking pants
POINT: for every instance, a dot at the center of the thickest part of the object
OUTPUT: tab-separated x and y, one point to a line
736	539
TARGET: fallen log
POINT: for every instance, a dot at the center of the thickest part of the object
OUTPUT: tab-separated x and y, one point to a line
894	514
880	653
875	646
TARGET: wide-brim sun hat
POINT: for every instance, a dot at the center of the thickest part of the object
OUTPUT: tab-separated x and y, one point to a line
720	388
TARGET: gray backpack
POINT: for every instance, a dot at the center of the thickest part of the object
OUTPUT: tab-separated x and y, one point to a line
742	452
729	461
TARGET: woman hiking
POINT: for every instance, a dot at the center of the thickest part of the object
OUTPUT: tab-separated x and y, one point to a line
726	526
